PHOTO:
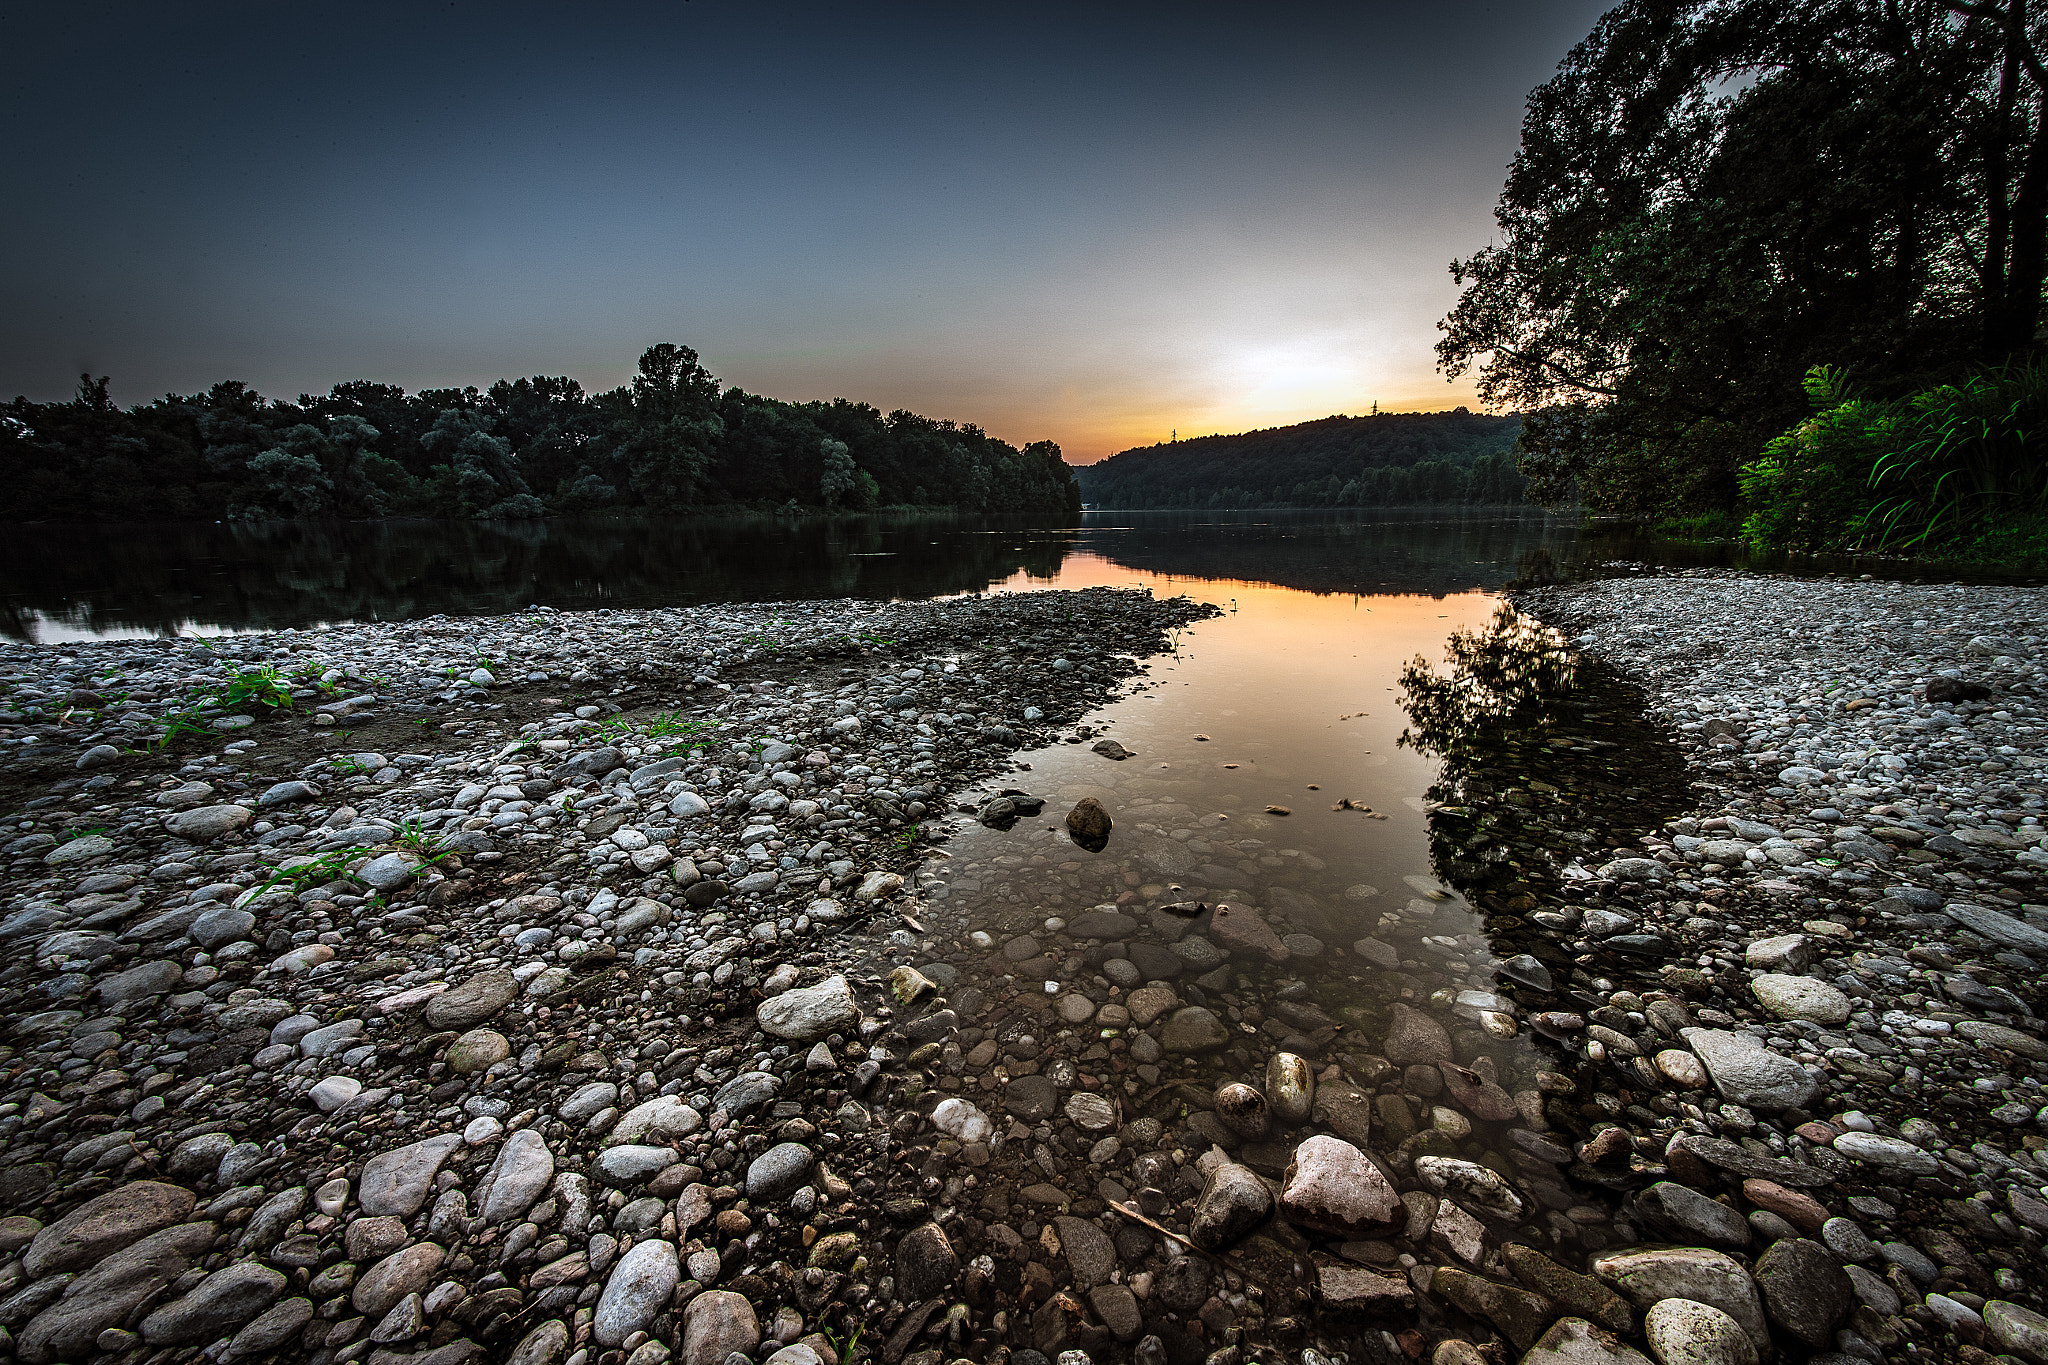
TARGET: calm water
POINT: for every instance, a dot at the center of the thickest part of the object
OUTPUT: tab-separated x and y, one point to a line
71	582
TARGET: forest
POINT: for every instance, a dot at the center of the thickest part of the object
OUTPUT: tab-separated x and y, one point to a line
1387	459
1776	269
672	440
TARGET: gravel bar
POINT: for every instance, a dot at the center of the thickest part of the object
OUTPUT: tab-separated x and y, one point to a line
502	991
1820	988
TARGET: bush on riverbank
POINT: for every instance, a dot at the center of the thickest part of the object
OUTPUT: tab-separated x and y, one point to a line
673	440
1951	472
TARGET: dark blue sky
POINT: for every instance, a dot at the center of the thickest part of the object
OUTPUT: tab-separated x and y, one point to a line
1097	223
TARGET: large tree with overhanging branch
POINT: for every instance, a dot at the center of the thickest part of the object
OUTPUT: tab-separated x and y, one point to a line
1712	196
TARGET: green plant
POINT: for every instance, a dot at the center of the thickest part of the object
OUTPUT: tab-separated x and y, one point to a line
414	838
844	1346
1969	459
259	685
314	871
179	725
80	833
349	764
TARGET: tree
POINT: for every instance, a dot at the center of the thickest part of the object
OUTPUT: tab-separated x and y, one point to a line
841	478
1713	196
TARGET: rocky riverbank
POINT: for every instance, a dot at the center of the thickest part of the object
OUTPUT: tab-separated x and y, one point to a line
589	988
388	992
1819	989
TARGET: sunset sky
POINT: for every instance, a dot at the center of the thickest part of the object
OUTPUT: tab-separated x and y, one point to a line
1094	223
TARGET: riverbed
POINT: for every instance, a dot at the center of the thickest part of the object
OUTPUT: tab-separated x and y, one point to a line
672	980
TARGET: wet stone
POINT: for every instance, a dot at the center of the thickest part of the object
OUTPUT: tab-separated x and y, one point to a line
1193	1029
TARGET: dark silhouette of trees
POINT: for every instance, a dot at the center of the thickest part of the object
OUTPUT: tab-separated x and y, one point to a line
672	440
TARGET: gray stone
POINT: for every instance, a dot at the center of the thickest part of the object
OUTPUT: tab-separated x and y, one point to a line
284	793
1414	1037
1193	1029
1892	1153
587	1100
1686	1332
2000	929
272	1328
1800	997
1804	1289
388	872
778	1171
219	1303
220	926
474	1001
1648	1276
2011	1039
715	1324
1475	1184
403	1272
1785	953
106	1295
327	1041
105	1224
204	824
523	1169
639	1288
1748	1073
1574	1341
631	1164
660	1119
2018	1329
98	756
139	983
746	1092
926	1263
1090	1255
477	1050
810	1012
198	1155
1233	1202
397	1182
1689	1216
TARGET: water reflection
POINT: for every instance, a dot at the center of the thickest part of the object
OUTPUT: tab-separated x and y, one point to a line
60	582
1542	751
1247	878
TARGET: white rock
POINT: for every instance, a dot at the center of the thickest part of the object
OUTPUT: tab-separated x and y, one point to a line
1800	997
962	1121
810	1012
332	1093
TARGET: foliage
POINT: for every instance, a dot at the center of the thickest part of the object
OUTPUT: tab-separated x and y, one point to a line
673	439
1386	459
1925	473
1712	196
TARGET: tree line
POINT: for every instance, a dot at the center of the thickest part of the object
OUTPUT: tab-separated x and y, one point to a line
1387	459
671	440
1773	260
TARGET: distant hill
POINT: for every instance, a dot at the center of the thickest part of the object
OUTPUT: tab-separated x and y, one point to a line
1390	459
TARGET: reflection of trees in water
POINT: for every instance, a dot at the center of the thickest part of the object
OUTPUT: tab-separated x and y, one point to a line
1546	754
1434	552
158	577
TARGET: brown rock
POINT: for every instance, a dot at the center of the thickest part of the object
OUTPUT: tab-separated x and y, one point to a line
1413	1036
1331	1186
1802	1211
1088	823
1240	929
1348	1287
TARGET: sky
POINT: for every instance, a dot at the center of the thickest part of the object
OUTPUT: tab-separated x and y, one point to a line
1099	224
